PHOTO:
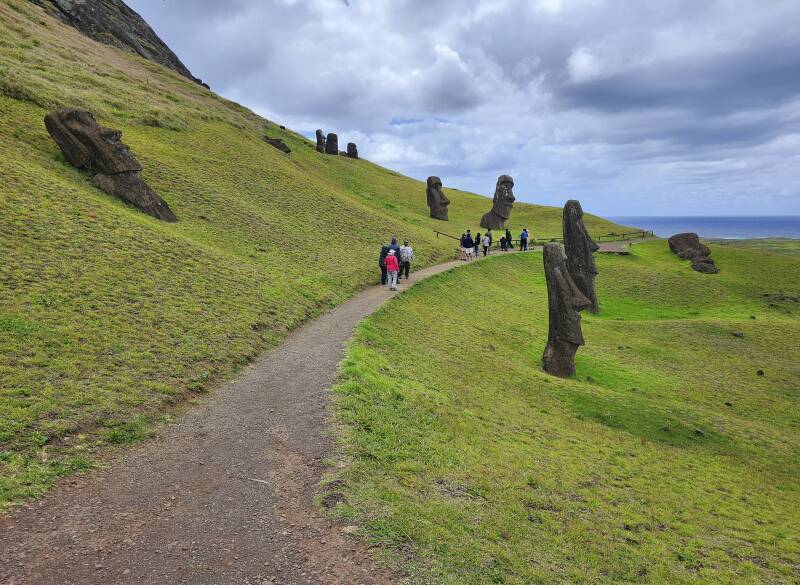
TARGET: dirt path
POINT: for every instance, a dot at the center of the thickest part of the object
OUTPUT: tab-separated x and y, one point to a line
223	496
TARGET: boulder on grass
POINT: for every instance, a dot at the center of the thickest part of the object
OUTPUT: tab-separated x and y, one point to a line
688	247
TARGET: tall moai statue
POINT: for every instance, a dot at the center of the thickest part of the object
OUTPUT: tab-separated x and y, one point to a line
565	302
502	203
320	141
437	200
332	144
580	249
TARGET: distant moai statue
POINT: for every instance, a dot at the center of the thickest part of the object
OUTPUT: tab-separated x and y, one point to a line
352	150
320	141
580	249
332	144
437	200
565	302
502	203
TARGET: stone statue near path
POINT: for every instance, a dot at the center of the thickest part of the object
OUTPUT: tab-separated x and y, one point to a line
580	249
688	247
352	150
90	147
502	203
565	302
437	200
320	141
332	144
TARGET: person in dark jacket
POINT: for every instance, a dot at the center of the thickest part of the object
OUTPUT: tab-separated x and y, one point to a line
395	246
477	244
469	245
509	240
382	263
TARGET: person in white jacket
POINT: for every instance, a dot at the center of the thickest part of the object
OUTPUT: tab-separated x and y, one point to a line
406	256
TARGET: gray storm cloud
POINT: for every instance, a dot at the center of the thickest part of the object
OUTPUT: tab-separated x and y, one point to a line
671	107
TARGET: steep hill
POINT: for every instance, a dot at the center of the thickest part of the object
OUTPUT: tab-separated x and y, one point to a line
108	316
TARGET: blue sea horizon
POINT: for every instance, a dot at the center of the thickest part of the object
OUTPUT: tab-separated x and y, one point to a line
723	227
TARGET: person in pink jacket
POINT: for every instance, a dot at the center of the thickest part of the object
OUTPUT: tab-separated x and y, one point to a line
392	267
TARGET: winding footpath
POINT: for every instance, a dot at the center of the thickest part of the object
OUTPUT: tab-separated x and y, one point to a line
223	496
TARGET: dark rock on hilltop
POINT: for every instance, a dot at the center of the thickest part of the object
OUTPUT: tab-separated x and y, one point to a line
113	23
352	150
278	143
688	247
90	147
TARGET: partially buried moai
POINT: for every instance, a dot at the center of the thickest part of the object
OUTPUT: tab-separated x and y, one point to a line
320	141
352	150
565	302
332	144
90	147
580	249
437	201
502	203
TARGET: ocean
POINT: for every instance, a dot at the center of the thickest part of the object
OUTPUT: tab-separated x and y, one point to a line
730	227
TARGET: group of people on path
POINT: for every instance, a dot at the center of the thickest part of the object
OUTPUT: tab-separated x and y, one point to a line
471	246
395	261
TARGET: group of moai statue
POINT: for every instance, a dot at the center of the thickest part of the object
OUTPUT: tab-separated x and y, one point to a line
570	271
330	145
502	202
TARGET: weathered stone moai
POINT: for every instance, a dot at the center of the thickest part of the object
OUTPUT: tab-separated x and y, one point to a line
688	247
437	201
278	143
332	144
580	249
90	147
352	150
320	141
502	203
565	302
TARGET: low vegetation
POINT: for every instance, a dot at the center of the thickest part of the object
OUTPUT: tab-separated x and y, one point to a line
109	317
672	457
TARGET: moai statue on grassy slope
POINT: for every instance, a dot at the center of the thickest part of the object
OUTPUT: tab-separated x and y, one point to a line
689	247
502	203
437	200
332	144
565	302
320	141
90	147
352	150
580	249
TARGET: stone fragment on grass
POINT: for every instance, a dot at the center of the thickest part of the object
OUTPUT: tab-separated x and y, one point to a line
278	143
90	147
688	247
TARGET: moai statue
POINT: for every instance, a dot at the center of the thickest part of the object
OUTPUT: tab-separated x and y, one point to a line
688	247
352	150
565	302
332	144
501	204
436	199
320	141
90	147
580	251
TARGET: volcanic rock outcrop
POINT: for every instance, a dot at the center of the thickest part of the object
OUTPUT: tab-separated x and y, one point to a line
278	143
437	201
502	203
352	150
580	249
90	147
332	144
320	141
565	302
113	23
688	247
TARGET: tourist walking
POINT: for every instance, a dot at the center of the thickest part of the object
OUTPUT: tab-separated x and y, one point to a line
395	246
503	244
487	243
382	262
469	245
392	268
477	244
523	240
406	256
462	242
509	240
491	236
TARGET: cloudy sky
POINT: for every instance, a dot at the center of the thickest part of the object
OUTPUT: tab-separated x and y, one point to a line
673	107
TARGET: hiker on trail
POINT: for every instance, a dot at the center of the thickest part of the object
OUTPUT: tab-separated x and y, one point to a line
462	243
523	240
395	246
469	245
382	262
503	245
477	244
487	242
491	237
392	267
406	256
509	240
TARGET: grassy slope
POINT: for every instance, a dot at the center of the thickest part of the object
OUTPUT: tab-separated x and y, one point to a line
776	245
667	460
106	315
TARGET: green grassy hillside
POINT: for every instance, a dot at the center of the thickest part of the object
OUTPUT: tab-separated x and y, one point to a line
668	459
108	316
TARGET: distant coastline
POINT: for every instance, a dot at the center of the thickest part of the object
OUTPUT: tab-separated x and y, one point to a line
719	227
